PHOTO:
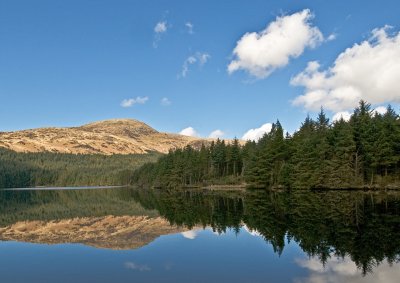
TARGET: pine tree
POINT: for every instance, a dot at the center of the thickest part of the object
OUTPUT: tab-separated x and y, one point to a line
342	173
323	150
387	143
363	132
304	159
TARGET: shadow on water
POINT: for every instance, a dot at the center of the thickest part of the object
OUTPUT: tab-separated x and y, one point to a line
364	226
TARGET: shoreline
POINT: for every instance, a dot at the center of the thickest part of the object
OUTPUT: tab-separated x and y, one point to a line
243	187
237	187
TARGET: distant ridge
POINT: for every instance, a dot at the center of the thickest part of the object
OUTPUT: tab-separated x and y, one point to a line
116	136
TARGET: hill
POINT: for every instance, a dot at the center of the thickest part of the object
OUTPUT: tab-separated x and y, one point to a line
117	136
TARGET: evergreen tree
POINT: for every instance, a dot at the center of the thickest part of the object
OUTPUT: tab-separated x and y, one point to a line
343	172
361	121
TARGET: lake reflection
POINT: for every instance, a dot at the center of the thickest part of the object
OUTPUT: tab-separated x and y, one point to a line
124	235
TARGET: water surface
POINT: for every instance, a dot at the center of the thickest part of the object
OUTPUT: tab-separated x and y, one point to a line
131	235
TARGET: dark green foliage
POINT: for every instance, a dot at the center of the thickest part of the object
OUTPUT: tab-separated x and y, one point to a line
219	163
362	225
364	152
49	205
54	169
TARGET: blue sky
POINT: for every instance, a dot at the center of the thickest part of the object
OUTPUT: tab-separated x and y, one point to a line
66	63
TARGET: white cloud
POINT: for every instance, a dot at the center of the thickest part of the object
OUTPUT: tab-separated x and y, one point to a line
165	101
202	57
346	114
189	26
132	101
159	29
251	231
260	53
331	37
185	67
343	114
257	133
192	234
380	110
369	71
134	266
189	131
345	270
216	134
199	57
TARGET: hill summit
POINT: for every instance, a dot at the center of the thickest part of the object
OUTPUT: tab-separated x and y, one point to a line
116	136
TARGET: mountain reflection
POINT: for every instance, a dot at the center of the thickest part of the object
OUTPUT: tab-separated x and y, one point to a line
362	229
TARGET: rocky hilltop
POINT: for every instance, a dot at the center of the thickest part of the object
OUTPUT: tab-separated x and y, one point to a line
118	136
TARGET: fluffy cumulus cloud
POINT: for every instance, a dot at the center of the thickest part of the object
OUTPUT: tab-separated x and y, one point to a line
159	29
165	101
345	270
216	134
345	115
257	133
380	110
189	131
199	58
260	53
129	102
369	70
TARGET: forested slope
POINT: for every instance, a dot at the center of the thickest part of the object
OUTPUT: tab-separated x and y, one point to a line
60	169
363	152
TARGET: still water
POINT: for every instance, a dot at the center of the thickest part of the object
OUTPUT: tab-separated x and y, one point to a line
131	235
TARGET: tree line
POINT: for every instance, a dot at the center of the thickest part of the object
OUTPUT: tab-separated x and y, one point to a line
62	169
361	152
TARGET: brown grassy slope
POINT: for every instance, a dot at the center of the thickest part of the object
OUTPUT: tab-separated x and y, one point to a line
112	232
118	136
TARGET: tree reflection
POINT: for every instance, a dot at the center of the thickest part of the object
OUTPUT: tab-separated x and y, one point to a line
361	226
